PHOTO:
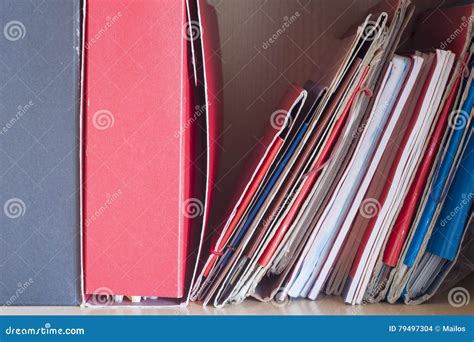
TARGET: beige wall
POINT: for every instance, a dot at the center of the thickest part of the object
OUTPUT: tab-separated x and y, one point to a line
254	78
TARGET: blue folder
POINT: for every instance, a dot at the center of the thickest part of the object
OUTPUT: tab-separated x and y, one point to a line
439	184
453	218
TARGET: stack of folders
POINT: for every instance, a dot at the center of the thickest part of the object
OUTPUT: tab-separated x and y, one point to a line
366	189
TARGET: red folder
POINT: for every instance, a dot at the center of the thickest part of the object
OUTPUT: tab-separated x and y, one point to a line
144	116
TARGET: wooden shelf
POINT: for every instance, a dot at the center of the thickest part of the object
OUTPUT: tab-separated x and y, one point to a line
324	306
328	305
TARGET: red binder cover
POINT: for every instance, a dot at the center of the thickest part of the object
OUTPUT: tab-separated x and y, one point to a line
139	147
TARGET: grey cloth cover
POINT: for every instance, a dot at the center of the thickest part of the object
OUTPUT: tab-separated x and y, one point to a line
39	152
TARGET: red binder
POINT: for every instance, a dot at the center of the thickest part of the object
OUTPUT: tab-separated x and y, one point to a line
150	131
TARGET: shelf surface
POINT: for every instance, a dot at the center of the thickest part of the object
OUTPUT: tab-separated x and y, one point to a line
324	306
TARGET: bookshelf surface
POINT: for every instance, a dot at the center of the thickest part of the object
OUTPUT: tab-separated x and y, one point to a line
325	305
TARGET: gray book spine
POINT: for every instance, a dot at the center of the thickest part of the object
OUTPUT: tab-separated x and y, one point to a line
40	63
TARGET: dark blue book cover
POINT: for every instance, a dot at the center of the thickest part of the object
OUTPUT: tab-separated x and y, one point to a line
40	50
